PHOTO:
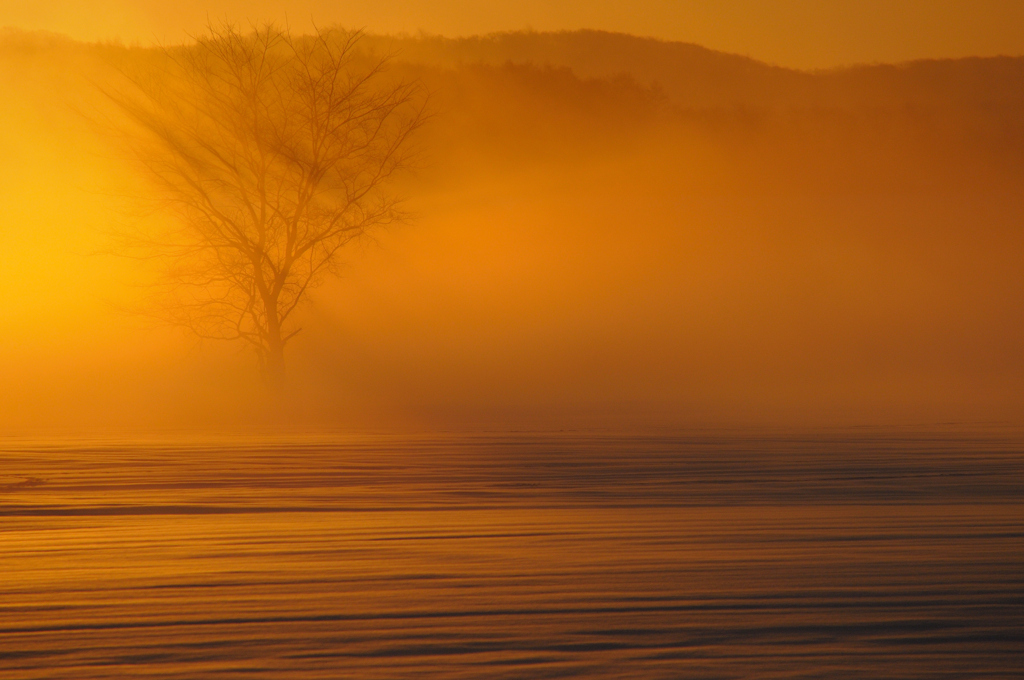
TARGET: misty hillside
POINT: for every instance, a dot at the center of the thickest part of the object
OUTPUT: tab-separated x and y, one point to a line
691	76
597	74
973	106
695	77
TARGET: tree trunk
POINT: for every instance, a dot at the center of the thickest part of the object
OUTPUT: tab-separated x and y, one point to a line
273	367
273	362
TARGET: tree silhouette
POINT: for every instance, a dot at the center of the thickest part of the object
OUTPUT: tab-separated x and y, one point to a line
273	151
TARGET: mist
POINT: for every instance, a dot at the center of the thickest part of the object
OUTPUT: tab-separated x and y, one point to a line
602	232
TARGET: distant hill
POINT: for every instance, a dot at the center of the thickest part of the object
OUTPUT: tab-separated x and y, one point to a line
527	95
695	77
690	75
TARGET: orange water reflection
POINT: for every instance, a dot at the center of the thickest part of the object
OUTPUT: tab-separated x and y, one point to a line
513	557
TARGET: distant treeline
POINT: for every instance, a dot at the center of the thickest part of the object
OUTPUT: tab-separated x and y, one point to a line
572	85
695	77
690	76
520	97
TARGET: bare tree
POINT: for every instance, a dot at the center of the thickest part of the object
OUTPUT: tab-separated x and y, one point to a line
274	151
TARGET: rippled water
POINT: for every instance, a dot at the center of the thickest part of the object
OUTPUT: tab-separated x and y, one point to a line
722	556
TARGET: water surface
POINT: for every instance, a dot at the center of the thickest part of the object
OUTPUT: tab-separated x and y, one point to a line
839	555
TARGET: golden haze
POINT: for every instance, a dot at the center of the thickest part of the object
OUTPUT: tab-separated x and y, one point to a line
739	245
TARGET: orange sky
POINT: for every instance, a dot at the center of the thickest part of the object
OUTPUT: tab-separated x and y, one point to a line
797	33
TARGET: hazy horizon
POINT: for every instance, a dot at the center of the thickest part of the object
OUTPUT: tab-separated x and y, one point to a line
791	33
